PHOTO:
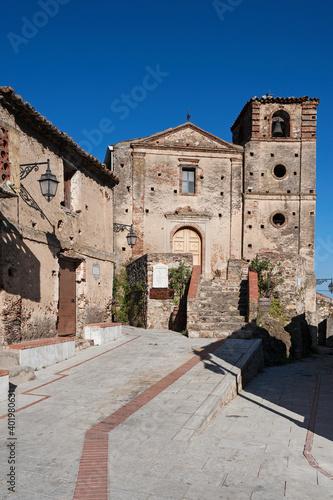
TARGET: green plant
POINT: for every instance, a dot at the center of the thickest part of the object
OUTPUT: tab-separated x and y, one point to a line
263	268
128	300
178	280
276	310
259	318
217	273
269	277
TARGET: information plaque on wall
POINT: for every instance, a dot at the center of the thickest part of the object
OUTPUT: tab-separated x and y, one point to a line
160	276
161	293
96	273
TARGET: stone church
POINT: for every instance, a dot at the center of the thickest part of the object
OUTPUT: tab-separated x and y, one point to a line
185	190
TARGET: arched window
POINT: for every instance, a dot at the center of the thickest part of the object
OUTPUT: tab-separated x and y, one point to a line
281	124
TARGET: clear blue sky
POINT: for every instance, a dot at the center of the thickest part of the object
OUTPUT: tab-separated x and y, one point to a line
75	61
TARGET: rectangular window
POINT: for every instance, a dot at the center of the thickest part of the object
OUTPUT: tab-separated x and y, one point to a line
188	180
68	174
71	181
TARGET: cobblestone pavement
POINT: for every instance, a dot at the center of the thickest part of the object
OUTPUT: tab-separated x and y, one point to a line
253	449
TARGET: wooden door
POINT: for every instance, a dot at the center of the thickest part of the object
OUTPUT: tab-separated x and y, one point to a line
67	298
188	241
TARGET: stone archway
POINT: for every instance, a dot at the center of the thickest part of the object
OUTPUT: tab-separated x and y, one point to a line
186	240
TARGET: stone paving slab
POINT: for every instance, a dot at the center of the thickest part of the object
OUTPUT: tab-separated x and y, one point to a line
69	398
253	449
221	462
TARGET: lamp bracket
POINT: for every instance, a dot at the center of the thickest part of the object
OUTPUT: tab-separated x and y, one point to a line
26	168
321	281
121	227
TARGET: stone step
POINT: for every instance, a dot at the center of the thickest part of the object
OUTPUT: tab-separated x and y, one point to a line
221	306
219	309
218	333
228	326
227	371
223	299
219	283
221	318
222	296
218	315
224	289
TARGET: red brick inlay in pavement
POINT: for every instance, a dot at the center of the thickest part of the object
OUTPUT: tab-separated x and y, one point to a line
60	376
92	480
310	433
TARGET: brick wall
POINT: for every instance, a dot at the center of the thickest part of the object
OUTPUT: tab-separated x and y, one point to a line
253	296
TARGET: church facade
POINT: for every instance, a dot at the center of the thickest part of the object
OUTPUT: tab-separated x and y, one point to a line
185	190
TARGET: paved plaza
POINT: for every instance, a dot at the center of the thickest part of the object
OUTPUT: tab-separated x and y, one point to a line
273	441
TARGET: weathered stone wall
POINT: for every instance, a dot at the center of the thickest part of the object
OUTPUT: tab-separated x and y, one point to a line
325	320
34	233
324	306
292	194
150	195
295	286
157	313
280	181
238	193
137	272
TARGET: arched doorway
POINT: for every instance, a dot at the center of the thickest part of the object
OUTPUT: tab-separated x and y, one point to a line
188	241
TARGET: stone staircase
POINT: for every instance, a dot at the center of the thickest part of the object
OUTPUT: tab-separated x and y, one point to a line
219	309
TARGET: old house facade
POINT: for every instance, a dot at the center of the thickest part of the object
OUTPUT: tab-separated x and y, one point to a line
56	257
185	190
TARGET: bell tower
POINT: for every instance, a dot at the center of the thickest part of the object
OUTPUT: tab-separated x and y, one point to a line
279	139
279	181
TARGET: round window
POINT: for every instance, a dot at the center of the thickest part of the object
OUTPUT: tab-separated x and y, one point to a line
278	219
280	171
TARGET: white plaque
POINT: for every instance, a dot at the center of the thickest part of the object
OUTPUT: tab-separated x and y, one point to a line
96	270
160	276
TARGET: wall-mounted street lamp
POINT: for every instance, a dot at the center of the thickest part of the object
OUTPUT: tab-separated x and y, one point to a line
48	181
322	280
131	236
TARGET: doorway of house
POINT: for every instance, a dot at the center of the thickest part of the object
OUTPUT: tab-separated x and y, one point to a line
67	298
188	241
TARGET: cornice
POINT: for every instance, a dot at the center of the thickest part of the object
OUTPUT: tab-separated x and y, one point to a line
280	196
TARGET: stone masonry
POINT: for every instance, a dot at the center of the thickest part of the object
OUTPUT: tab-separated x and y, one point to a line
36	236
185	190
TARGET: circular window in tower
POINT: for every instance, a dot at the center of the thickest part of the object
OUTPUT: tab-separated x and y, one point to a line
278	219
279	171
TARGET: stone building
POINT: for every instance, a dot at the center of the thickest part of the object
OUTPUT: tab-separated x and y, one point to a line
185	190
325	320
56	258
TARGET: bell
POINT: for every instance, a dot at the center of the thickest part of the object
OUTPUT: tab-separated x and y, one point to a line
277	130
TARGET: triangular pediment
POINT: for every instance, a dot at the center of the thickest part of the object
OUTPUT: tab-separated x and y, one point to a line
186	136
